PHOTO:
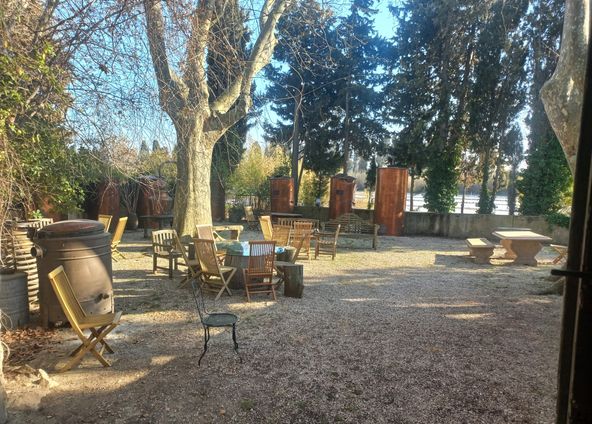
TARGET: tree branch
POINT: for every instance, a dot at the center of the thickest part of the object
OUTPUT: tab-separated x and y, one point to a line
170	87
195	76
240	90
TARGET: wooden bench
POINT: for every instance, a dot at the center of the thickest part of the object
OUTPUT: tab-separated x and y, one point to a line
352	226
481	249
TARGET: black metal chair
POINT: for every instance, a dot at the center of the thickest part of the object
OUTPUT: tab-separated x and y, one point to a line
209	320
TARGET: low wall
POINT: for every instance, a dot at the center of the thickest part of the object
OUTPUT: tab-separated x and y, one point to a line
454	225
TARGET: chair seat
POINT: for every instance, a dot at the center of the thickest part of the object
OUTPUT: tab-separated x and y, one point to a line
220	320
91	321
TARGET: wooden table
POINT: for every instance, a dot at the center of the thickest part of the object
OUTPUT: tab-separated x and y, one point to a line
234	230
276	215
160	218
522	246
239	260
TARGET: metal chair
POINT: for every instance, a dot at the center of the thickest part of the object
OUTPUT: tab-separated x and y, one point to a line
117	235
164	245
258	276
212	320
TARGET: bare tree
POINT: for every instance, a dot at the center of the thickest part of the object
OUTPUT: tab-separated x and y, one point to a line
199	118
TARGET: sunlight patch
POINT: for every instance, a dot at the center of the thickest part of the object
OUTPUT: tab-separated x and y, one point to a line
161	359
361	299
446	305
469	316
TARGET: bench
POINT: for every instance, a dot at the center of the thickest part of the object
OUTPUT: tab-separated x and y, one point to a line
481	249
352	226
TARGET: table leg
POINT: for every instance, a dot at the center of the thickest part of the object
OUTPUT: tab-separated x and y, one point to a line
507	244
525	251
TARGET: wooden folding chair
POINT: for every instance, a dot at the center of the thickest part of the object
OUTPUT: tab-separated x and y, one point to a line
259	274
117	235
206	232
214	277
252	222
303	229
106	221
281	234
98	325
191	264
266	228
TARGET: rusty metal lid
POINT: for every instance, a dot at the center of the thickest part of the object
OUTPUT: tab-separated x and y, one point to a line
71	228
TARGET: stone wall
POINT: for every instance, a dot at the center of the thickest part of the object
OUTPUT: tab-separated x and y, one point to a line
454	225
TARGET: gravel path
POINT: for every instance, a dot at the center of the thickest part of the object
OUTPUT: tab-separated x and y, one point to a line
411	333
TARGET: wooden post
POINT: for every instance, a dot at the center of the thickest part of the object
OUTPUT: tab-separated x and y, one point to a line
293	280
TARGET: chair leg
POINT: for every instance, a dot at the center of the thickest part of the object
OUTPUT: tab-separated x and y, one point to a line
206	339
154	264
170	266
235	343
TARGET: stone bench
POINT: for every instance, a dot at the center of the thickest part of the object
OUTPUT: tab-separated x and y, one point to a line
481	249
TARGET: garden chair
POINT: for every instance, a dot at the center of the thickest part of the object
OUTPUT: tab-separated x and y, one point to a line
561	252
106	221
191	264
164	245
214	277
258	276
212	320
266	228
303	229
252	222
206	232
281	234
98	325
326	243
117	235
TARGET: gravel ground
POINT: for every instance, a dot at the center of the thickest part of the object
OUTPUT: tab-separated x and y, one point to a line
411	333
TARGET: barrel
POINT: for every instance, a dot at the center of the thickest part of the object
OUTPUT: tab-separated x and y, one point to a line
83	248
20	245
14	299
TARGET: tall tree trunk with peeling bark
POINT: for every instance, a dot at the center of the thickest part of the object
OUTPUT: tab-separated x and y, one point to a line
199	117
562	95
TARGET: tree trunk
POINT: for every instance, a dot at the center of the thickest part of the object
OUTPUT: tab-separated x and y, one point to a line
411	188
464	192
346	125
194	163
562	95
296	144
512	190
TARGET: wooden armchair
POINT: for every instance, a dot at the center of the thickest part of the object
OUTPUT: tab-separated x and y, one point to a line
99	325
116	239
164	245
258	276
326	243
214	276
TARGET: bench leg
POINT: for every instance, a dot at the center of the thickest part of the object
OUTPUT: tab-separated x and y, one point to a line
482	255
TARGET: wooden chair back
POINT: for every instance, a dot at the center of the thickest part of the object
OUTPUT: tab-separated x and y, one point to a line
249	214
105	220
204	231
163	241
118	234
281	234
261	257
205	250
266	227
68	301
